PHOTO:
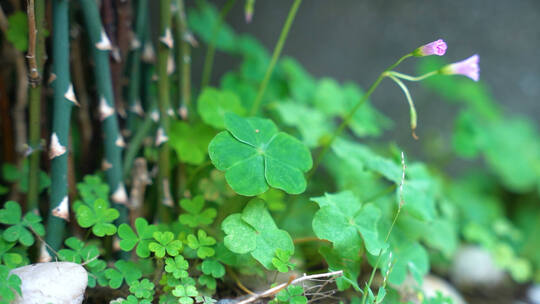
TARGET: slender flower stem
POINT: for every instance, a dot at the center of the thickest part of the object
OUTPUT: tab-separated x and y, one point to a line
275	56
351	113
403	87
165	45
211	50
36	52
413	78
58	152
401	202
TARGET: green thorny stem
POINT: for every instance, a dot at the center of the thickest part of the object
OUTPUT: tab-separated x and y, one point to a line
347	119
36	55
210	51
135	110
63	100
165	45
184	37
275	56
114	143
400	204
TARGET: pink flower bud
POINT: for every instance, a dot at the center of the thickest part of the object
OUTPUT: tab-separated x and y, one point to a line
468	67
437	47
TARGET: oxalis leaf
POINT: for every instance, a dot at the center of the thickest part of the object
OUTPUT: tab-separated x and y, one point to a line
345	222
143	237
254	231
21	228
212	105
255	155
99	216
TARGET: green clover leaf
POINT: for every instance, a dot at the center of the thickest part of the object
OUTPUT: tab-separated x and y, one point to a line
165	244
213	267
143	289
208	281
177	267
131	299
212	105
143	237
9	284
292	295
254	231
79	252
20	230
345	222
99	216
125	270
93	188
196	216
205	299
281	261
201	243
254	155
10	259
190	141
185	293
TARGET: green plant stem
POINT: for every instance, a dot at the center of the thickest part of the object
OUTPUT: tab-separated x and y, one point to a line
36	52
184	60
113	139
133	91
211	50
275	56
351	113
164	192
60	126
372	276
135	144
412	109
413	78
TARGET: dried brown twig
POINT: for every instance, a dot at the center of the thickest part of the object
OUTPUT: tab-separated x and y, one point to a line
274	290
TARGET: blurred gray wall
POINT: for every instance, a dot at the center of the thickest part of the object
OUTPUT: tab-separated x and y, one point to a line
355	40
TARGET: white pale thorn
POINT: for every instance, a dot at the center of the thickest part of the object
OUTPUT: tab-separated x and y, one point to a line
183	112
148	54
105	165
70	95
120	196
137	108
56	149
161	137
104	43
170	112
191	39
155	116
167	38
104	109
135	43
52	78
62	211
44	255
170	65
167	199
120	142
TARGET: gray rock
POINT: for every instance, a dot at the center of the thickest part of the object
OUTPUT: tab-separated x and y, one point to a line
533	294
53	282
473	267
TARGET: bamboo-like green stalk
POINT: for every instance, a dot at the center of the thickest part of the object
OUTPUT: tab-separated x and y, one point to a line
184	60
211	50
36	52
100	47
134	69
63	100
165	45
275	55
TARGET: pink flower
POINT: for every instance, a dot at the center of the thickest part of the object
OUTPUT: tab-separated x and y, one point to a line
468	67
437	47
